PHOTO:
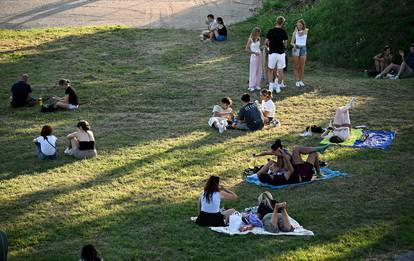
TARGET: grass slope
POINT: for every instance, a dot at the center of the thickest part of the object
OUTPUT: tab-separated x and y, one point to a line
148	95
347	33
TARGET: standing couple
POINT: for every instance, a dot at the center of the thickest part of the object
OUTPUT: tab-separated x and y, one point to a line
275	45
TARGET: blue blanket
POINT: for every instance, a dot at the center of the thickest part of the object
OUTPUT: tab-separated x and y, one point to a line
328	175
375	139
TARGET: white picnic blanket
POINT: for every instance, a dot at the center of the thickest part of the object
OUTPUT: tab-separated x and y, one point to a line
299	230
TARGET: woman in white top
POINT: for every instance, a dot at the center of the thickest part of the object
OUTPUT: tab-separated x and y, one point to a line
210	214
341	128
268	106
46	144
299	51
253	47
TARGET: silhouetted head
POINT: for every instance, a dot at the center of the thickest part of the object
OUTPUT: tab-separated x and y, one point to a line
64	82
220	20
245	97
89	253
276	145
211	186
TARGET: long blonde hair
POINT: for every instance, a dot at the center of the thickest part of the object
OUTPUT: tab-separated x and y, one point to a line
266	199
257	31
301	21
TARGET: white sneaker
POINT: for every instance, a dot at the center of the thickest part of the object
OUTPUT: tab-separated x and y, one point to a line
379	76
301	84
297	84
271	86
221	128
277	88
282	85
250	89
394	77
257	88
68	151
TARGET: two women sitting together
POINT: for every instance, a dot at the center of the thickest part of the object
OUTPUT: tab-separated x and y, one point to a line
81	142
288	168
272	215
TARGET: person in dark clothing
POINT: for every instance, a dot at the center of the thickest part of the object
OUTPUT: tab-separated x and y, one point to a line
405	70
3	246
250	117
89	253
22	93
70	101
221	33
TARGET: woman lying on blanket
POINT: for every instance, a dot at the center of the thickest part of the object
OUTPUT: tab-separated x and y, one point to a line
209	208
341	128
294	170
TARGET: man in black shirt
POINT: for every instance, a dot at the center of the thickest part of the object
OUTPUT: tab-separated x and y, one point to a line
276	42
22	93
250	117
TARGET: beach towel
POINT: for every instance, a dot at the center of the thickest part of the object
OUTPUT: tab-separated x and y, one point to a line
299	230
329	174
372	139
354	136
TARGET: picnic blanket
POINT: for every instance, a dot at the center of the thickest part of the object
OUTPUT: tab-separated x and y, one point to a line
378	139
299	230
353	137
329	174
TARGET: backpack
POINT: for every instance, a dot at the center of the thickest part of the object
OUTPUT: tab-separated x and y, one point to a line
48	105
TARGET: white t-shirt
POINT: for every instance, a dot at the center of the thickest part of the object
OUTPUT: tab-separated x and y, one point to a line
47	148
212	25
213	206
218	108
270	107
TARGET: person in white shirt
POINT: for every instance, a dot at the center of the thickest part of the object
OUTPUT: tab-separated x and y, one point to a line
212	26
268	106
298	42
340	130
222	115
46	144
253	47
210	214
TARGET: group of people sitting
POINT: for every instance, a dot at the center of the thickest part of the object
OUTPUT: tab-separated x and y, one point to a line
21	95
385	68
271	215
81	142
216	29
252	116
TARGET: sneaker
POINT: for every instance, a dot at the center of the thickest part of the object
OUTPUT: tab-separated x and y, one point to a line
221	128
257	88
271	86
250	89
389	76
282	85
379	76
394	77
277	88
68	151
301	84
297	84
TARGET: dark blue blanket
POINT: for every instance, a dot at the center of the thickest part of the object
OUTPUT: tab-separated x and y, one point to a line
375	139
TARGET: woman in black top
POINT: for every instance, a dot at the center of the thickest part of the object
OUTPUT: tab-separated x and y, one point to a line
221	32
70	101
82	142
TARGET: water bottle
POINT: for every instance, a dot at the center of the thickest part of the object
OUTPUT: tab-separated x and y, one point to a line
40	101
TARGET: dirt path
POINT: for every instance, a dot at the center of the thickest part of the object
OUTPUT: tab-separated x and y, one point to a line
141	13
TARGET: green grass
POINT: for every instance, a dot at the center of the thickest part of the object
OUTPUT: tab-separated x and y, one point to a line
148	95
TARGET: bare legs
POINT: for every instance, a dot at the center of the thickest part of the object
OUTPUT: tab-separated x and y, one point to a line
387	69
270	75
302	60
286	226
280	76
296	67
227	213
379	66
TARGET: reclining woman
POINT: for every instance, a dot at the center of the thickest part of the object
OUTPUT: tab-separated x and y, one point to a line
341	128
273	165
295	169
82	142
273	214
209	204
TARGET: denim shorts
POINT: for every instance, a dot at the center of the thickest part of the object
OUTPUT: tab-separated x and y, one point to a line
220	38
299	51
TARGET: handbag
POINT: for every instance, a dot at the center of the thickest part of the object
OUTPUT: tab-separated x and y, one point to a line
235	222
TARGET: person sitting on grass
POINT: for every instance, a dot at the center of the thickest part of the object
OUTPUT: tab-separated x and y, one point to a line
250	117
268	107
82	142
222	115
220	34
210	214
21	93
341	128
212	26
405	70
295	169
89	253
278	164
70	101
46	144
383	59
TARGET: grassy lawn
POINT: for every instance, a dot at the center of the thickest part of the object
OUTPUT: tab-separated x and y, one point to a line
148	95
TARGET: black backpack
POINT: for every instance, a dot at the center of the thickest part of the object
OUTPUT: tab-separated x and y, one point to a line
48	105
